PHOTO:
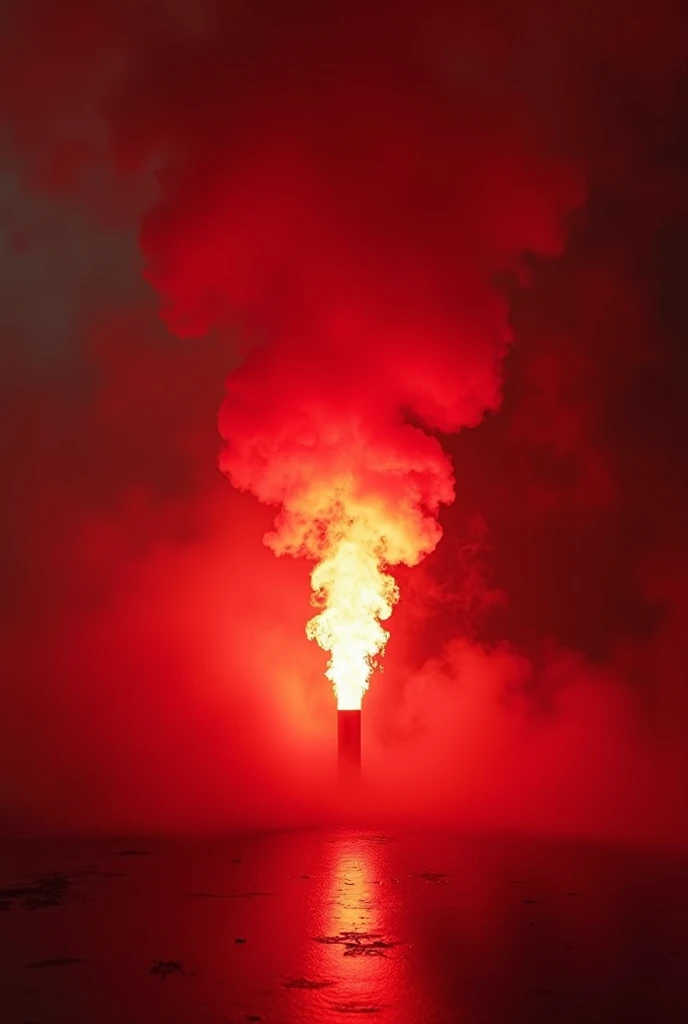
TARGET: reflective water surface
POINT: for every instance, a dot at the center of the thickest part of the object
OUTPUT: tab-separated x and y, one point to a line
403	928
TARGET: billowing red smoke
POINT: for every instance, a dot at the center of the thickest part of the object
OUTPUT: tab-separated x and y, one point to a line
359	209
350	221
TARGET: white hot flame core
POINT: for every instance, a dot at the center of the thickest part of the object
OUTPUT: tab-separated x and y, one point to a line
356	595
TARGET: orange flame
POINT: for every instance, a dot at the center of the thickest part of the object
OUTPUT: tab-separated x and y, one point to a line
356	595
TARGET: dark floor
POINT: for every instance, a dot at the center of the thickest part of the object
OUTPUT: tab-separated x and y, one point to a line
405	928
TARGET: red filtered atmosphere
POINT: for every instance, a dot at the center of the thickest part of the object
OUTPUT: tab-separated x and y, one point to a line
426	265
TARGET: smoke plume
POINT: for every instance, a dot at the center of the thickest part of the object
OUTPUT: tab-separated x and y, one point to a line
351	220
381	228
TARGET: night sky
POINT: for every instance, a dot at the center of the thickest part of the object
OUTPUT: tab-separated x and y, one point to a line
472	220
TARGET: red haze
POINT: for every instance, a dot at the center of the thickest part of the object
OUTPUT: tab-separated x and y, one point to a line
364	211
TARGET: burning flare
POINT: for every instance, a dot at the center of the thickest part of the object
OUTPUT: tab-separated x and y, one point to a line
355	595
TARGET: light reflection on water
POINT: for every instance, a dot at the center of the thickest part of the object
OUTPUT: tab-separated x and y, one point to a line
322	927
356	946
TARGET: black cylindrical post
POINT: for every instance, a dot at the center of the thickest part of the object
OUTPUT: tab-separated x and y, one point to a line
349	747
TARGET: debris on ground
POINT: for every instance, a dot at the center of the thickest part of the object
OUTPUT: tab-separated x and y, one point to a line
357	1008
307	983
49	891
359	943
163	968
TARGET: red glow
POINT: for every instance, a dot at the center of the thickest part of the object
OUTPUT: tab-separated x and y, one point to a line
332	205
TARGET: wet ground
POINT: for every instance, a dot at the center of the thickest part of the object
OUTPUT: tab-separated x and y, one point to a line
321	927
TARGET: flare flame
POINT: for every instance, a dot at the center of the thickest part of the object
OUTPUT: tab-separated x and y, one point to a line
356	595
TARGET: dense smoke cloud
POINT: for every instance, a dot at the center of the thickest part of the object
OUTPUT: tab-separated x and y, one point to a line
364	211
